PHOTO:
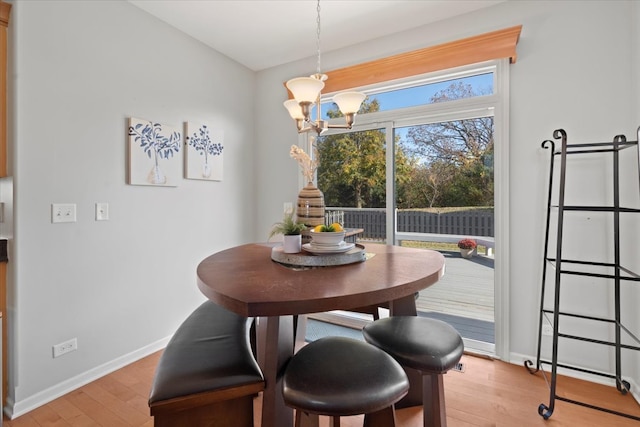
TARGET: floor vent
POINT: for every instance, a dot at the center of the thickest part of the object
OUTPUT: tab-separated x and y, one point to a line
459	367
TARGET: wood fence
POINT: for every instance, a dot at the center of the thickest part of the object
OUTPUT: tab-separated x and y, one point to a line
471	222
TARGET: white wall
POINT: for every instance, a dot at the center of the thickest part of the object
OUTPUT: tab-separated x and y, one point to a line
78	70
573	71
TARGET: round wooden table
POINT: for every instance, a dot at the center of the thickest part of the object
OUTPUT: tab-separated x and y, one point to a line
245	280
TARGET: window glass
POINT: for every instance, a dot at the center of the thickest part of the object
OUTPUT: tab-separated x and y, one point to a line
465	87
423	94
352	170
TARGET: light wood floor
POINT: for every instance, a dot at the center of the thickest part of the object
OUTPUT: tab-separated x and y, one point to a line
488	393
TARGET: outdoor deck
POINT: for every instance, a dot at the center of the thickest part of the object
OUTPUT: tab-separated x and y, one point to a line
463	297
465	290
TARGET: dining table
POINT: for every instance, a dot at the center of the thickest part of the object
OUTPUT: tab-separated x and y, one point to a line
246	280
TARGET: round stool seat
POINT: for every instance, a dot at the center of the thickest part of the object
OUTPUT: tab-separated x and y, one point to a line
341	376
428	345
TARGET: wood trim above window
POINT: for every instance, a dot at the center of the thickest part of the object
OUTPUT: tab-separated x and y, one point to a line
485	47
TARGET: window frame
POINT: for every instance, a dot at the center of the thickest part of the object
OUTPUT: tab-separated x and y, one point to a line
474	107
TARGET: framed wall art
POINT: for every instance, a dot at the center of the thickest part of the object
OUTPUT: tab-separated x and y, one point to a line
204	152
155	153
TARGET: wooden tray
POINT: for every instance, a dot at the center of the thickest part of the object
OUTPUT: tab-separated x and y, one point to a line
307	259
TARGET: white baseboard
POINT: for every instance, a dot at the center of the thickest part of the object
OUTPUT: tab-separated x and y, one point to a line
15	409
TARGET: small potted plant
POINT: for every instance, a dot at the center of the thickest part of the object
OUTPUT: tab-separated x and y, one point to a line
292	232
467	247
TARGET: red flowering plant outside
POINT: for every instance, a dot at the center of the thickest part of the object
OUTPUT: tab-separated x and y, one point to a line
467	244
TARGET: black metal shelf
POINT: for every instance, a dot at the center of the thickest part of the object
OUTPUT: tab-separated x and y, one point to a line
617	273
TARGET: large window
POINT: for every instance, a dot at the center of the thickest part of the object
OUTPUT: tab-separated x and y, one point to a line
441	128
422	148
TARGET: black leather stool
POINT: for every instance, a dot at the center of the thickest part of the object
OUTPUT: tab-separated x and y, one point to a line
339	376
427	345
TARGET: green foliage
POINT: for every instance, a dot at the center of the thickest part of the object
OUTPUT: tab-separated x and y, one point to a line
352	170
453	161
288	226
441	164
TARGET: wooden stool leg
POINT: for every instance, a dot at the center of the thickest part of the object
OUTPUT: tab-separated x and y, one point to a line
335	422
304	419
433	404
300	331
384	418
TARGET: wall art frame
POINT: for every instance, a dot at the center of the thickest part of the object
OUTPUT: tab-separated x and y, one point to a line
204	147
155	153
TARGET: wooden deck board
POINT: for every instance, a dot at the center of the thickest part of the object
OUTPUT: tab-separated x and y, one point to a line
466	289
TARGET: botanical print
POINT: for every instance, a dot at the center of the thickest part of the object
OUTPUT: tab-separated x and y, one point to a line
154	153
203	159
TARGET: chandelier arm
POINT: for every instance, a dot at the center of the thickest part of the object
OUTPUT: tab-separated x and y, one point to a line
302	89
339	126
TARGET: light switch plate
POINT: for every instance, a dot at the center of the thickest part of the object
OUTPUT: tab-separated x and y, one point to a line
102	211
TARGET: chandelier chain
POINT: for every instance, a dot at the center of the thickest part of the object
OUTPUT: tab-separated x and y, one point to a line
307	91
318	36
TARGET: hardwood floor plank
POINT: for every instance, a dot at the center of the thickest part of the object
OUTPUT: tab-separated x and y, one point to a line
47	417
116	388
122	408
71	413
487	394
65	409
102	415
26	420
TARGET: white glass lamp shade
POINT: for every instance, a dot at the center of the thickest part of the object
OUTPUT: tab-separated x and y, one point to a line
305	89
294	109
349	102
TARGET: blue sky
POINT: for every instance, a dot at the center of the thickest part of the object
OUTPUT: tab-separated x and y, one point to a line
420	95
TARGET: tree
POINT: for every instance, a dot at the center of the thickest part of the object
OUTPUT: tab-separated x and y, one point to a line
352	165
424	185
457	165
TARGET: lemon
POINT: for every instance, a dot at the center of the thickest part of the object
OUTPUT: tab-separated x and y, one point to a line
319	228
337	226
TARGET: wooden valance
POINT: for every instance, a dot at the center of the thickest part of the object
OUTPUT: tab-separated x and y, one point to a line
485	47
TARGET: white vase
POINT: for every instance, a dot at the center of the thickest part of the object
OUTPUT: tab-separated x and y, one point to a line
206	170
292	244
156	176
467	253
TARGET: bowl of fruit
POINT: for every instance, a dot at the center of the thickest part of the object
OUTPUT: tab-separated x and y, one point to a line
331	235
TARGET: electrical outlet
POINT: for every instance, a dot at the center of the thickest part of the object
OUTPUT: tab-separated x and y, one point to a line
63	212
65	347
547	329
288	207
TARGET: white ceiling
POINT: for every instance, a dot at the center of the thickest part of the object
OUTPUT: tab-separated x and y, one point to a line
265	33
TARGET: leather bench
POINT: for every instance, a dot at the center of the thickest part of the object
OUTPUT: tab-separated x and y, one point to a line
207	374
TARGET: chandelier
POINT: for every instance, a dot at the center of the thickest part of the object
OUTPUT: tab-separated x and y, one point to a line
307	91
